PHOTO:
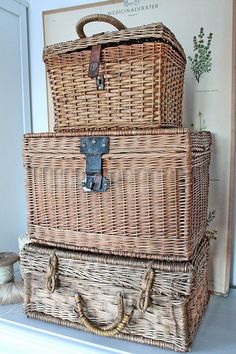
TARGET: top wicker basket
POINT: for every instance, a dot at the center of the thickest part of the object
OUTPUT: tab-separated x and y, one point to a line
126	78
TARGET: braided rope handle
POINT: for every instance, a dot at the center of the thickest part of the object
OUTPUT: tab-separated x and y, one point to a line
116	327
146	287
51	276
100	18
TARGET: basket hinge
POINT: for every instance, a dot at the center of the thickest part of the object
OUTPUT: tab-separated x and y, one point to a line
94	148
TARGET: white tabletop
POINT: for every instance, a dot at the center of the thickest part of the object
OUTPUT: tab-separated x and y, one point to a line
216	334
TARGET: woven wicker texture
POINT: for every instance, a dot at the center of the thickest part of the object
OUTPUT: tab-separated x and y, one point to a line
143	69
156	206
102	294
95	18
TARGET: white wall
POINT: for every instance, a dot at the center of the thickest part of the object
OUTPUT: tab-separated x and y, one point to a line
37	69
14	121
38	78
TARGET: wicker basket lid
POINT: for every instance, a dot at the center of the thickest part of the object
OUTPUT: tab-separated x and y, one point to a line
151	32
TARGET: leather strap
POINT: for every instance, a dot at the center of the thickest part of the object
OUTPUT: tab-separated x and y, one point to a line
95	59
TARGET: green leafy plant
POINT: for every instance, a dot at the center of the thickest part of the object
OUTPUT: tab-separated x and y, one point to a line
201	62
211	234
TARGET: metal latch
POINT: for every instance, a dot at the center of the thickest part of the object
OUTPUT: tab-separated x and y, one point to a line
100	83
94	148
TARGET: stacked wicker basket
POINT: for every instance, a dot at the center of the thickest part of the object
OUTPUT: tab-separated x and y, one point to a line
117	195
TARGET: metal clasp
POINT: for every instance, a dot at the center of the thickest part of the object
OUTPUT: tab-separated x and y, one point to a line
94	148
100	82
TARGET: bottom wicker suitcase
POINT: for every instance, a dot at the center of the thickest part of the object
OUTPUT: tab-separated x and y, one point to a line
158	303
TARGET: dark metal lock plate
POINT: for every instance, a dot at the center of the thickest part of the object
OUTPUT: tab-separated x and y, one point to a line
94	148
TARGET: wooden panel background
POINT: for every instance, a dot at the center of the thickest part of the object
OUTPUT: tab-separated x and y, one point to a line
208	104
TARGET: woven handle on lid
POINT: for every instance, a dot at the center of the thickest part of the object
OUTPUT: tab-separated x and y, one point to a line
100	18
116	327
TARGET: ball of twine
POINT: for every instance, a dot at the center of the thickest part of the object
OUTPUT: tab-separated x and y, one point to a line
10	292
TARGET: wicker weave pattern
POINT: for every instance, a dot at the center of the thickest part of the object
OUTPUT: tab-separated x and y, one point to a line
156	206
156	31
143	81
177	300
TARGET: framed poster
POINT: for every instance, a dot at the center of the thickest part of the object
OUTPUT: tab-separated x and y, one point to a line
205	30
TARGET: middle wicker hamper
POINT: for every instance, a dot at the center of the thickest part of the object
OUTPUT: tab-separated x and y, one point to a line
139	193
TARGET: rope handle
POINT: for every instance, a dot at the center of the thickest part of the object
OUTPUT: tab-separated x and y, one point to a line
146	287
100	18
116	327
123	319
51	276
